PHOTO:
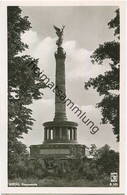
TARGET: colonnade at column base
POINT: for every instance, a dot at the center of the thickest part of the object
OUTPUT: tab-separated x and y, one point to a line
60	132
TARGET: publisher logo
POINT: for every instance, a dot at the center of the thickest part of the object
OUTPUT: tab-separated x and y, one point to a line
114	179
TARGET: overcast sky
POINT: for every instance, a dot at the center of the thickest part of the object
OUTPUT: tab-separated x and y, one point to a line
86	28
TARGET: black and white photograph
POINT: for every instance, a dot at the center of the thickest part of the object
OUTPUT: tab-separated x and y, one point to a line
63	85
63	96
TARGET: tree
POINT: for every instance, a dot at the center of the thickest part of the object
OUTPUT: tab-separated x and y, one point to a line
108	160
24	84
17	155
107	85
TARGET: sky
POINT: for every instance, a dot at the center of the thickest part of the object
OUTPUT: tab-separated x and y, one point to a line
86	28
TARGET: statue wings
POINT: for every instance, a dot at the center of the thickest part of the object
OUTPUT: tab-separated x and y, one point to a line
59	31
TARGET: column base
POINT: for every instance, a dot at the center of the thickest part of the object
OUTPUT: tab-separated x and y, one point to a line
57	151
61	131
60	117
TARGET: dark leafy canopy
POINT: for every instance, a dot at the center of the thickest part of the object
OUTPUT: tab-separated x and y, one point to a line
24	84
108	160
115	24
107	83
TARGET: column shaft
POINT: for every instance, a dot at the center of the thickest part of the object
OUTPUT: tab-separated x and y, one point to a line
60	90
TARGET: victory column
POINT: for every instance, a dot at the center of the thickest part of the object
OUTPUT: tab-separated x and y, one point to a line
60	135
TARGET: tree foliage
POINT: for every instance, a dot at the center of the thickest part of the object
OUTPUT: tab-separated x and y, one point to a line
108	160
108	84
24	84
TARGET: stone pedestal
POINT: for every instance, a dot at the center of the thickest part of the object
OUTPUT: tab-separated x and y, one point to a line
57	151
